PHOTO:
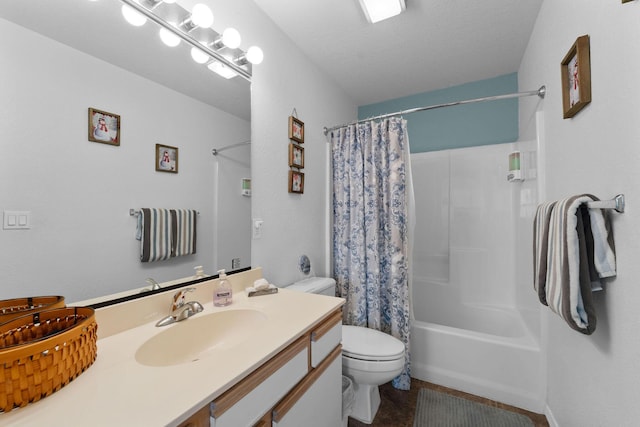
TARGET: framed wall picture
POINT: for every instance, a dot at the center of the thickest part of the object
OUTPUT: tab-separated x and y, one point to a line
296	156
296	182
296	129
166	158
104	127
576	77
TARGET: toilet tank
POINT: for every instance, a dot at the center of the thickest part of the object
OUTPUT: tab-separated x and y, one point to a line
315	285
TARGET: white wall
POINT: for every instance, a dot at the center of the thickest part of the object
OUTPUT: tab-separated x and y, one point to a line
592	380
82	243
294	224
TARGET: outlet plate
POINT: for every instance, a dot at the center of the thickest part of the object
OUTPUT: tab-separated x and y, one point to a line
16	220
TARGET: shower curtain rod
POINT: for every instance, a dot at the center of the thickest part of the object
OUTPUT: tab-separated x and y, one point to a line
540	92
215	151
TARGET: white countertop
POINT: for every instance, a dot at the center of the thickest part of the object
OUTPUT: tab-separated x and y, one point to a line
117	390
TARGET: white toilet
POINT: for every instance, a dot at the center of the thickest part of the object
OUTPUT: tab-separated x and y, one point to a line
369	357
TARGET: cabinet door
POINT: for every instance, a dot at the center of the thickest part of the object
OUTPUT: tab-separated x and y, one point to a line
317	400
247	402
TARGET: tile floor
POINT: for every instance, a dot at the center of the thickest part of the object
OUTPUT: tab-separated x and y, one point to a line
397	407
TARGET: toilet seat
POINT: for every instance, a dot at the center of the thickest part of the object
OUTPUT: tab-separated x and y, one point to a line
369	344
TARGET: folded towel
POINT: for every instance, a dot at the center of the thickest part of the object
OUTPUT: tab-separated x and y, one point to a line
184	232
579	252
155	243
260	284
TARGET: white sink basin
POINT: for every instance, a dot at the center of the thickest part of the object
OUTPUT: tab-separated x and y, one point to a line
200	336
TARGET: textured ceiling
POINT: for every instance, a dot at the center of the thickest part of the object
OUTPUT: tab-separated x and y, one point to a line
434	44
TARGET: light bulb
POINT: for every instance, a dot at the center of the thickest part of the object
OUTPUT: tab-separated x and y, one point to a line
132	16
169	38
222	70
199	56
231	38
201	15
255	55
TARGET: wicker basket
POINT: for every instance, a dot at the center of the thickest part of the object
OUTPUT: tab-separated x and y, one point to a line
12	308
41	352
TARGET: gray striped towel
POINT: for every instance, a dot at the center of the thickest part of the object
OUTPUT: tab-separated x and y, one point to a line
155	242
184	231
540	249
573	251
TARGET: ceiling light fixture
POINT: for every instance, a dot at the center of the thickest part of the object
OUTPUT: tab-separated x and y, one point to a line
231	38
378	10
169	38
199	56
209	48
201	16
253	56
132	16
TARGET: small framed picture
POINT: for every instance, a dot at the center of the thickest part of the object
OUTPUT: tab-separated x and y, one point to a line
296	156
166	158
576	78
296	130
104	127
296	182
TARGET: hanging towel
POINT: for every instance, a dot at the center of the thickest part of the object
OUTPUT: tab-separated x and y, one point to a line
184	232
579	252
155	242
540	248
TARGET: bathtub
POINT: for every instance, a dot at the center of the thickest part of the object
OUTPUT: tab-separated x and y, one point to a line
479	349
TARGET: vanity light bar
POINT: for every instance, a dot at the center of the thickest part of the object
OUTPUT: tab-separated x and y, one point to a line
244	71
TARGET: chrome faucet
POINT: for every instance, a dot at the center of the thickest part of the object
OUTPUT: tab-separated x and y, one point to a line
153	285
180	309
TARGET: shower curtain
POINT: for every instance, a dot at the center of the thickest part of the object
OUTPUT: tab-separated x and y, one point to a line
371	193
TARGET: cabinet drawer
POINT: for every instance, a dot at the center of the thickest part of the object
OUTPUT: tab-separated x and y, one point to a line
325	338
249	400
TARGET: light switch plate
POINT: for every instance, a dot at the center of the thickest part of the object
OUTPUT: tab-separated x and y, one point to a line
257	228
16	220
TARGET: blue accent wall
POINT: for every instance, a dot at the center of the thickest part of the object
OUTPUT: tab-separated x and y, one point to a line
482	123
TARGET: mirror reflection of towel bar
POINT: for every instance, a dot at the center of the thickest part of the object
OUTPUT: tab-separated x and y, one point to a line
134	212
617	204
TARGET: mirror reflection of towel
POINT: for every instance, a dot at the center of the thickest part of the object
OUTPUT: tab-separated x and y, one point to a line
156	234
166	233
184	231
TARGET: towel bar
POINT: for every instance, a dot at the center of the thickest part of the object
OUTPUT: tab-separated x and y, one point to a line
134	212
617	204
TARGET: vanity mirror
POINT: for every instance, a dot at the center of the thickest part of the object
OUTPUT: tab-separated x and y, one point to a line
62	58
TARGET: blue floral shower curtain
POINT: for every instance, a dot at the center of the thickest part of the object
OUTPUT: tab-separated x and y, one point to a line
370	164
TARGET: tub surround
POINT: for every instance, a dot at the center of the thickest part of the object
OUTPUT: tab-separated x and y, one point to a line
118	390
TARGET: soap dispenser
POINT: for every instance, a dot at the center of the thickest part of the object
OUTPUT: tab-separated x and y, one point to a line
223	294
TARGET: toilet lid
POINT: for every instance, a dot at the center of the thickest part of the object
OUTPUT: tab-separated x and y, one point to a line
313	285
369	344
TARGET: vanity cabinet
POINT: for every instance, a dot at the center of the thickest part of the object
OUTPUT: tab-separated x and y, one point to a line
199	419
302	385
